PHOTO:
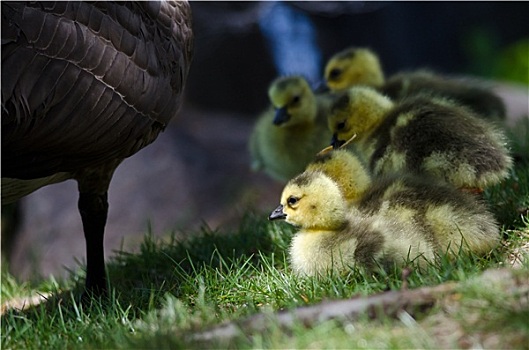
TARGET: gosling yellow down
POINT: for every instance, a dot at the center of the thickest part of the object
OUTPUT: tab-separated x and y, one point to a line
399	219
421	135
346	169
405	192
288	135
353	66
361	66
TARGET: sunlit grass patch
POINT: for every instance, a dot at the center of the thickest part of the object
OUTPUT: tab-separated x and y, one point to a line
172	290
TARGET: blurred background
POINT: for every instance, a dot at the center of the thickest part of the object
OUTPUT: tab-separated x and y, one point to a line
197	172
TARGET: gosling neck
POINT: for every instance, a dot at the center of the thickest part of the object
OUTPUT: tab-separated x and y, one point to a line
331	219
373	114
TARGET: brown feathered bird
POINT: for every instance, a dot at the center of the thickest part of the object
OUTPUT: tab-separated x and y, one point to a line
84	86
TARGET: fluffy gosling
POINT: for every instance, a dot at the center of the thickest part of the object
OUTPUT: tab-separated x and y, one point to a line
353	66
396	221
421	135
361	66
287	136
405	192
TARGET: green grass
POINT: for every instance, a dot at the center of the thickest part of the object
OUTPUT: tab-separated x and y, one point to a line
171	290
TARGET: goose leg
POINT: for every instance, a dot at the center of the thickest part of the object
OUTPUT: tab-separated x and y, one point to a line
93	208
93	187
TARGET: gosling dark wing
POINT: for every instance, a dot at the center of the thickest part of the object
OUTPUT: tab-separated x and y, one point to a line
86	83
478	98
439	128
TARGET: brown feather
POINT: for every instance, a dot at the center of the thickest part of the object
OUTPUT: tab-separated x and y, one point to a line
85	85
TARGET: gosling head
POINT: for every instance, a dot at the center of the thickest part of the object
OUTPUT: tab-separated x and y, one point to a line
343	167
357	111
311	200
293	100
353	66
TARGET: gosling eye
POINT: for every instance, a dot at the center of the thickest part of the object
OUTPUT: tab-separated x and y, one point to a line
295	100
340	125
292	201
335	73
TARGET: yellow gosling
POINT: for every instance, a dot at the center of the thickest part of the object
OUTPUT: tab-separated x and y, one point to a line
353	66
361	66
396	221
422	135
288	135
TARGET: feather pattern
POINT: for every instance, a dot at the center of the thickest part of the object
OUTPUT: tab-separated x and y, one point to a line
85	85
83	79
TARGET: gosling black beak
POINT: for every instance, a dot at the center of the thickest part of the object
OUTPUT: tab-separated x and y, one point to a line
281	116
277	214
335	143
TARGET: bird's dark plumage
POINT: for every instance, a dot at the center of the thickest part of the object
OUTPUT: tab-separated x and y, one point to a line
85	85
479	99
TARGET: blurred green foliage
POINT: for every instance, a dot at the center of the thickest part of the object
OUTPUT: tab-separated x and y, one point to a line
487	58
512	63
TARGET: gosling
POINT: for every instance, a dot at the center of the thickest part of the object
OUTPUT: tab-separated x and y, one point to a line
361	66
398	220
288	135
421	135
403	192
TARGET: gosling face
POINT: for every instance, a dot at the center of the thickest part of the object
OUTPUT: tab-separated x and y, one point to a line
311	200
353	66
358	111
293	101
